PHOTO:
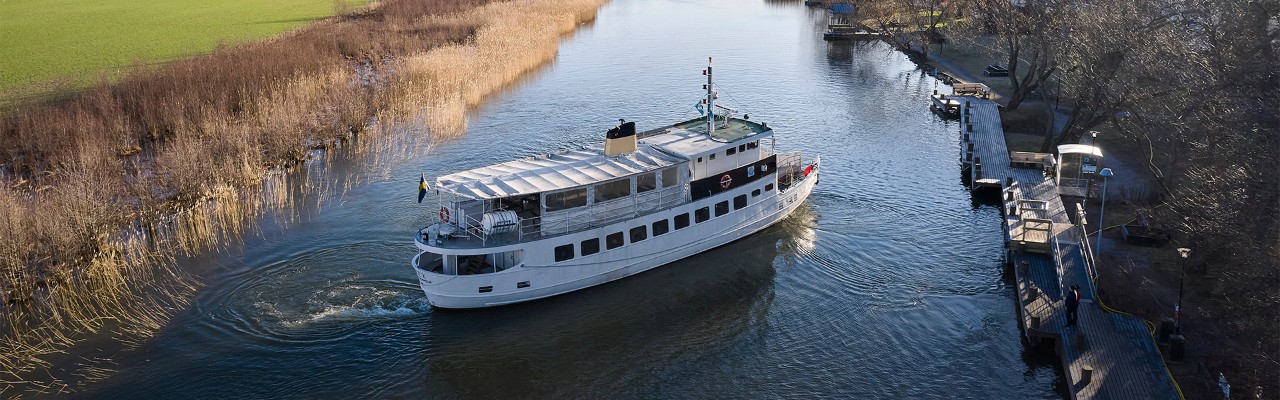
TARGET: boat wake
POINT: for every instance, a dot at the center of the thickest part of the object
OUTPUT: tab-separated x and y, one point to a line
369	303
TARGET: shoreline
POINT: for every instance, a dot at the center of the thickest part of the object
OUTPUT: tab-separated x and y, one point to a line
1191	372
192	151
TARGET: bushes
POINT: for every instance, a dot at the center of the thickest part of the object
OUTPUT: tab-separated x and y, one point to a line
99	191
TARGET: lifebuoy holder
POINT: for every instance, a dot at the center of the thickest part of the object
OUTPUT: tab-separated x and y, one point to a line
725	181
444	214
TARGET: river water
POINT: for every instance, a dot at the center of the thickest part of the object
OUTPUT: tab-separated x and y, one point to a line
887	284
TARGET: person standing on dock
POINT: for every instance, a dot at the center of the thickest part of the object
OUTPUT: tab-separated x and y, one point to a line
1073	302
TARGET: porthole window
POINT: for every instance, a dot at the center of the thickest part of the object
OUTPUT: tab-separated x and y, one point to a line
739	202
564	252
613	241
638	233
722	208
755	193
702	215
660	227
590	246
682	221
768	187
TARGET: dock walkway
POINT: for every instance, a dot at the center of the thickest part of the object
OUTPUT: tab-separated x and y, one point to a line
1105	355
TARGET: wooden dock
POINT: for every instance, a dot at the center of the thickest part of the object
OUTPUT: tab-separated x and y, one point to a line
1106	354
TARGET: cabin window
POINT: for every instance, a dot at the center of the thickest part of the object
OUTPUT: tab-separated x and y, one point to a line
755	193
699	159
722	208
742	147
731	151
670	177
566	199
486	289
613	241
564	252
682	221
711	157
753	145
646	182
638	233
612	190
590	246
739	202
702	215
768	187
661	228
522	285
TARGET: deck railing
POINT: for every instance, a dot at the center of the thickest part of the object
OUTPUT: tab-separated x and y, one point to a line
791	168
608	212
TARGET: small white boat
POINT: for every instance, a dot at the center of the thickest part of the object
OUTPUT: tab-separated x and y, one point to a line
552	224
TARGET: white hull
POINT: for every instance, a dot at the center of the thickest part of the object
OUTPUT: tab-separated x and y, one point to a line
535	279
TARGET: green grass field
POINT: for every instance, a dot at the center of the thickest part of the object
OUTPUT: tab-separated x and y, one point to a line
79	41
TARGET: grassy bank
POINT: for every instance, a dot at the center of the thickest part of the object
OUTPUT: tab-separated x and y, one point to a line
72	43
98	192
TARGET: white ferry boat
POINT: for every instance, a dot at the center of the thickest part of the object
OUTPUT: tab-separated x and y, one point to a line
551	224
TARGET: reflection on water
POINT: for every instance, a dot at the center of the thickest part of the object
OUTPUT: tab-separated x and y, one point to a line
888	283
687	310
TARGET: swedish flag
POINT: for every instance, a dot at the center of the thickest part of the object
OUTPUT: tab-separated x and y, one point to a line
422	188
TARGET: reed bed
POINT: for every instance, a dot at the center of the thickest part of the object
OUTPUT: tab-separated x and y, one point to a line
102	191
513	39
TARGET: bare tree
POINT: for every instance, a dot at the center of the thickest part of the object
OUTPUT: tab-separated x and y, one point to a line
1031	33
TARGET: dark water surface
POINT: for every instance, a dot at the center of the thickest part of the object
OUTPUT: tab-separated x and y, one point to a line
888	284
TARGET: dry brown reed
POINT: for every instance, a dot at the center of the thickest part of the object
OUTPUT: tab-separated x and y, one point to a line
513	38
101	191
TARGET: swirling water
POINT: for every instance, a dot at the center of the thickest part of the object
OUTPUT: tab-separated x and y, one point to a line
887	284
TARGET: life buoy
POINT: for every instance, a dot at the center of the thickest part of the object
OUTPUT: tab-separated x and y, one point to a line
444	214
725	181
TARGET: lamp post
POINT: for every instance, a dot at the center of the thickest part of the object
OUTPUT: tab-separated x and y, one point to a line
1094	135
1105	173
1177	309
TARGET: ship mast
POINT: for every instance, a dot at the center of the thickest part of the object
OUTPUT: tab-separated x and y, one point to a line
711	98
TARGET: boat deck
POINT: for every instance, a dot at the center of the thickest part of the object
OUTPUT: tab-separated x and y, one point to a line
735	129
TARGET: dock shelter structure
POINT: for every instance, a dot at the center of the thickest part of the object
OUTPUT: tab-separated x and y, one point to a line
1078	166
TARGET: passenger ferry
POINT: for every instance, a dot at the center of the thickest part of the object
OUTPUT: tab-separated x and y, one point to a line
551	224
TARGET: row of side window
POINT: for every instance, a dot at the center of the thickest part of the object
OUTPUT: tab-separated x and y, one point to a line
615	240
733	150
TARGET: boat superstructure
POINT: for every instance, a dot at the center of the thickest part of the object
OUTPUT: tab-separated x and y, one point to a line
555	223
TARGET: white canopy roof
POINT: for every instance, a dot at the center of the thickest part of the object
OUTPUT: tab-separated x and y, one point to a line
557	171
588	165
1080	149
